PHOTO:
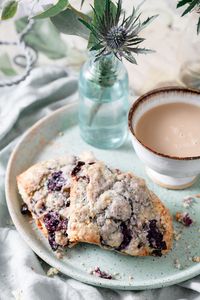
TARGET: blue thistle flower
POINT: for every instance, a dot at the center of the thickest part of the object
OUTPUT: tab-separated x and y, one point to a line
115	33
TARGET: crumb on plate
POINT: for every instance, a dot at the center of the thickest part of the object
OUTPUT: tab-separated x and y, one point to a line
184	218
177	264
177	235
59	254
97	272
196	259
189	201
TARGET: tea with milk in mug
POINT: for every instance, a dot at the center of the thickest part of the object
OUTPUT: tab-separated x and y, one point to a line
172	129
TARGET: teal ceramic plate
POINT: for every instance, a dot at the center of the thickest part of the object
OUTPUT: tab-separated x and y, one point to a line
57	134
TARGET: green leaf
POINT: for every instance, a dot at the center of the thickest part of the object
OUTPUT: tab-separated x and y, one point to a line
99	7
96	47
54	10
79	14
190	7
129	57
141	50
9	10
6	66
198	27
183	2
68	22
90	27
148	21
118	11
44	38
135	41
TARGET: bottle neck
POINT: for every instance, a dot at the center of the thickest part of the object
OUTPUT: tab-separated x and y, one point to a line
104	69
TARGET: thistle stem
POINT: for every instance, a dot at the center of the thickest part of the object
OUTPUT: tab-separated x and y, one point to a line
106	72
94	110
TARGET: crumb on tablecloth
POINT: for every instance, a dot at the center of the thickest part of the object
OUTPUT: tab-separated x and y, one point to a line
52	272
17	294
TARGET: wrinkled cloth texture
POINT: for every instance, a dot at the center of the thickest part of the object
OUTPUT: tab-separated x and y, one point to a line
22	273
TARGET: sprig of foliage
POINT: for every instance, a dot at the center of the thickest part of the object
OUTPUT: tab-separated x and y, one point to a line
108	30
53	10
53	47
192	5
9	9
68	22
115	33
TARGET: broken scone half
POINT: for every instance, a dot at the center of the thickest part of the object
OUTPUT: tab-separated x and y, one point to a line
117	211
45	190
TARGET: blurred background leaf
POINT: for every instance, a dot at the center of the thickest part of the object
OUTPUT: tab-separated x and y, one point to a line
6	66
9	10
53	10
82	1
68	23
183	2
44	37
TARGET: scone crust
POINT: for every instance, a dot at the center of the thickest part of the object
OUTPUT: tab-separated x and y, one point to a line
83	226
29	181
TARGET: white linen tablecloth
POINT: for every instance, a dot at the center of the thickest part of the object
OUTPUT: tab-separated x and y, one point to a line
22	275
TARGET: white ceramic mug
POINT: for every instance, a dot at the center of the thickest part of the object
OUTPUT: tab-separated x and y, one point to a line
168	171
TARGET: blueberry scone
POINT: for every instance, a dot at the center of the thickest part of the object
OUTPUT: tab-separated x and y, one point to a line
45	190
117	211
79	199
